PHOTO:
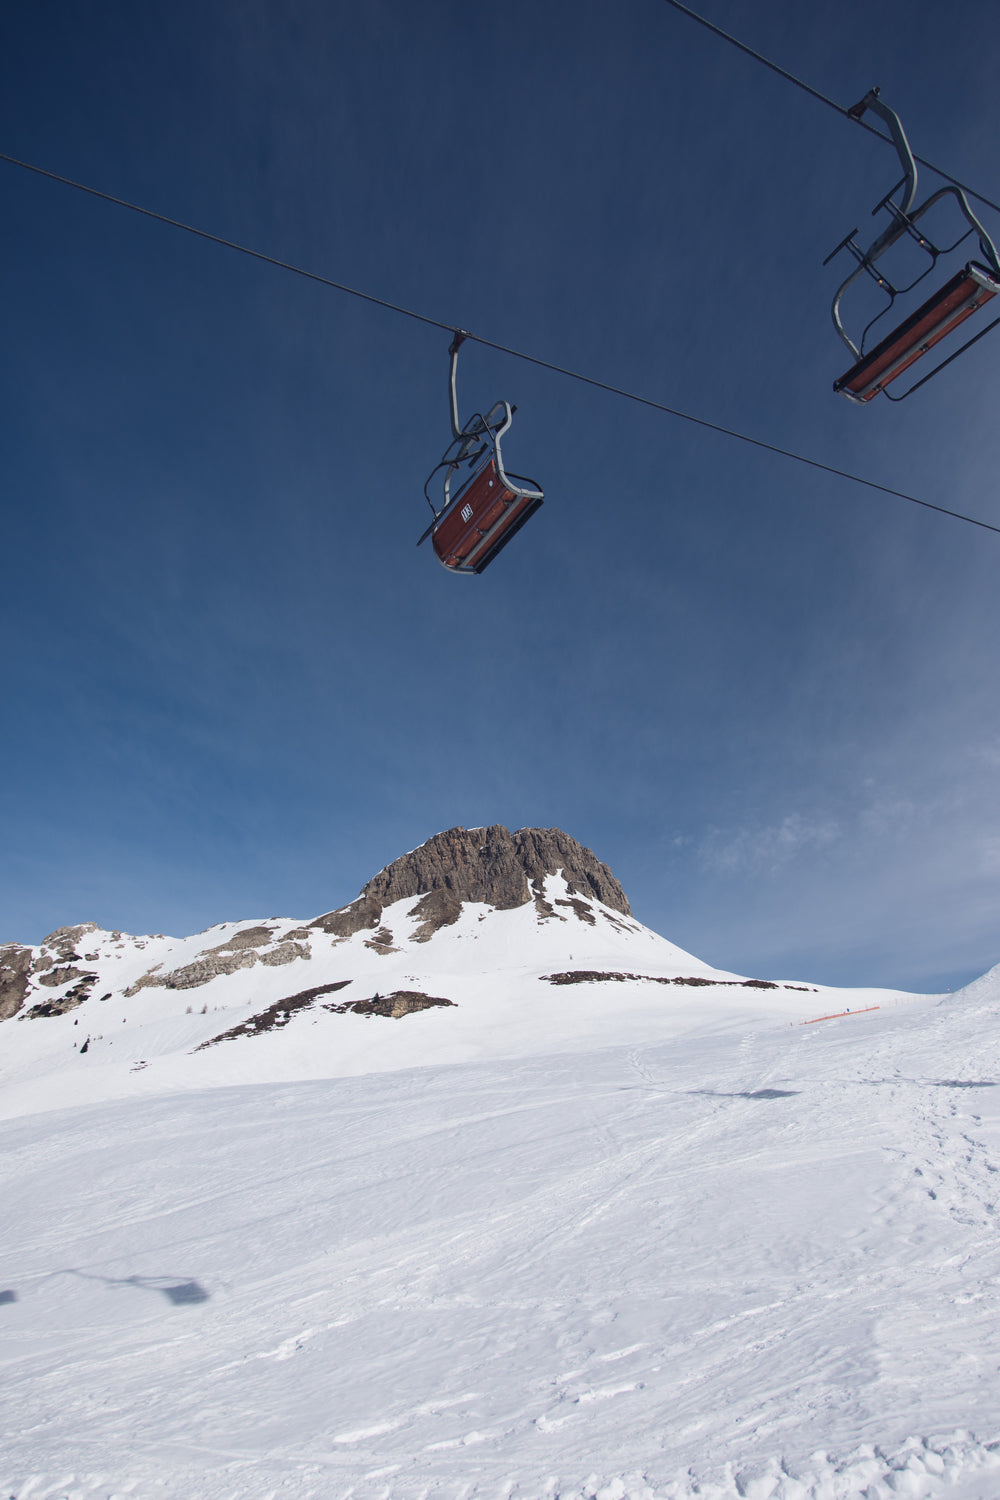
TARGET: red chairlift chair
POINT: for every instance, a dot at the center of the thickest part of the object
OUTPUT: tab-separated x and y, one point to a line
967	291
471	527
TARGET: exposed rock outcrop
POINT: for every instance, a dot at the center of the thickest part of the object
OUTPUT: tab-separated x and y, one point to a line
595	976
439	908
64	940
58	1007
381	942
15	976
20	965
53	978
400	1003
364	911
285	953
190	976
227	958
250	937
276	1016
489	865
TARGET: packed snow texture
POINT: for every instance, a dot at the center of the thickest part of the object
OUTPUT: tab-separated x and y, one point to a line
607	1238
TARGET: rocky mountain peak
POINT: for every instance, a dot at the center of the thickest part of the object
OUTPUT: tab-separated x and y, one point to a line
490	865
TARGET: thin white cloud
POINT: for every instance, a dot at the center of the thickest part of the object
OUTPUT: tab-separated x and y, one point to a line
887	815
987	754
765	848
989	856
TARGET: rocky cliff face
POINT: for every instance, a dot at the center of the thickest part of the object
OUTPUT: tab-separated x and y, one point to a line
490	865
53	967
15	975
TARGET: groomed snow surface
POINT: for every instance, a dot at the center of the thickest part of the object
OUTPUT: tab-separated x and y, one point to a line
608	1239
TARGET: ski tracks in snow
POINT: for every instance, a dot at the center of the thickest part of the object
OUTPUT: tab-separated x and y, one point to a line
557	1280
953	1466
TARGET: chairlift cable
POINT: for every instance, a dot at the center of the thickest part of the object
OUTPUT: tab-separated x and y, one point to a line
218	239
823	99
531	359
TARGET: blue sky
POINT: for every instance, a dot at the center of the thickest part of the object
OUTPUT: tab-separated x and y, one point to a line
233	687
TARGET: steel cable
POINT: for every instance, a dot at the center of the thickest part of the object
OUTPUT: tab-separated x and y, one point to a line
830	103
531	359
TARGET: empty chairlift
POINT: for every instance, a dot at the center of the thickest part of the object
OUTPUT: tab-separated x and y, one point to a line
876	367
473	524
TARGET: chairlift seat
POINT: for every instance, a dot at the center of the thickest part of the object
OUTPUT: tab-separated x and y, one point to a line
957	300
482	519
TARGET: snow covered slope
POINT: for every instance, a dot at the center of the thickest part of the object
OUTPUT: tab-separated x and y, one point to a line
434	1198
758	1261
263	1001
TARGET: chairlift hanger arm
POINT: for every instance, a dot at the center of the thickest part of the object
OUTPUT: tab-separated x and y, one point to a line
904	213
456	344
900	213
873	102
470	441
900	222
498	416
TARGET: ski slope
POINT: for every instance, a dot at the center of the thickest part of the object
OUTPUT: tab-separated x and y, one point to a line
616	1238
